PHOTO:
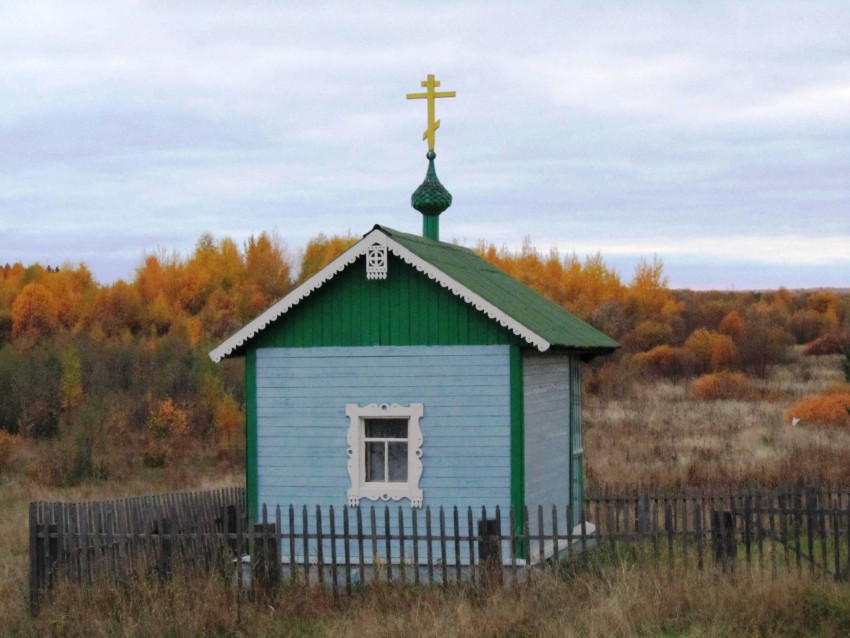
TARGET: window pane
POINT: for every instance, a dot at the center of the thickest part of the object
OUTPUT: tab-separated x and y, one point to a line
398	462
386	428
375	461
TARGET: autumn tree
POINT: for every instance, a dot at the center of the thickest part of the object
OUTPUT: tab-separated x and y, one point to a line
267	272
70	384
647	293
35	315
320	251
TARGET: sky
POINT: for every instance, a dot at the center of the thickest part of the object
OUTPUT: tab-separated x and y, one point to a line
713	135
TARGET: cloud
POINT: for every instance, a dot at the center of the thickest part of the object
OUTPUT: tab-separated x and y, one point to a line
622	126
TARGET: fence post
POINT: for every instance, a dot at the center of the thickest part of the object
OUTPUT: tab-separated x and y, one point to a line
723	543
836	535
490	551
698	531
668	525
35	584
643	514
811	497
163	530
266	578
748	512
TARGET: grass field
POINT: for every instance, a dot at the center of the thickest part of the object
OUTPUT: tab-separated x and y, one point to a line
658	434
648	433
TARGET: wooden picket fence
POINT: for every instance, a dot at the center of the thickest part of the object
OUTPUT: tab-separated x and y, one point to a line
795	528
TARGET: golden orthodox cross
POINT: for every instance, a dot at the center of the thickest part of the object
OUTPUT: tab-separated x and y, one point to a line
430	94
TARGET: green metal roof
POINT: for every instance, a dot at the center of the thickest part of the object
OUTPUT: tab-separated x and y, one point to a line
522	303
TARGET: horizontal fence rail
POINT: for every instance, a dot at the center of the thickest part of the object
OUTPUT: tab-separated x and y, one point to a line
790	529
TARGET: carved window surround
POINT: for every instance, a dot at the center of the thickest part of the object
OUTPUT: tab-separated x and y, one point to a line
361	487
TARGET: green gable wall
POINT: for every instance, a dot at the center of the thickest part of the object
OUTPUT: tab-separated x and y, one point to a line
406	308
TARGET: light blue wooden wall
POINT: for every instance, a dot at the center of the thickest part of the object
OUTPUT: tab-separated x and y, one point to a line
546	388
302	426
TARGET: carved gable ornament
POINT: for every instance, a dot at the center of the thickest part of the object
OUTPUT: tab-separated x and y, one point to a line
376	262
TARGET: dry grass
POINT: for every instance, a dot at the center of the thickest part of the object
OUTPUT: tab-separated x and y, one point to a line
603	600
18	489
656	434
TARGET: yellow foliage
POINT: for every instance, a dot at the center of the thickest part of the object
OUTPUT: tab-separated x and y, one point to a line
227	416
167	420
579	287
228	419
710	350
647	293
321	250
35	314
699	345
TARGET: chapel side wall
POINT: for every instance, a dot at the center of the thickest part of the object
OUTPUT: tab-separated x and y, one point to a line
546	393
302	426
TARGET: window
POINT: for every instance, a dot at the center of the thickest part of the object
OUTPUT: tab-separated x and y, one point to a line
384	452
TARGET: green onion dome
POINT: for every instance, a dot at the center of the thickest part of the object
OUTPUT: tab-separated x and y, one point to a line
431	198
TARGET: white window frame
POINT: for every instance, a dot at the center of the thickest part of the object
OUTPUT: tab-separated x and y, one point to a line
384	490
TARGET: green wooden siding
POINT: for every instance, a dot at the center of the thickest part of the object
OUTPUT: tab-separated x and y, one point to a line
406	308
251	433
517	445
576	442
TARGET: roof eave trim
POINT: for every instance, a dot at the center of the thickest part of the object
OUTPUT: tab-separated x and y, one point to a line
249	330
375	236
470	297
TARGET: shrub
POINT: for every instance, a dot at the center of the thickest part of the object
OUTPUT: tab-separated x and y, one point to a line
807	325
711	351
830	408
664	361
723	385
228	419
168	425
827	344
724	354
762	347
647	335
733	325
698	344
166	420
610	379
7	442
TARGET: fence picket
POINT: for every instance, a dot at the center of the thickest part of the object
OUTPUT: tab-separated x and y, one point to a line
347	549
293	562
94	540
320	556
555	553
360	560
388	543
471	543
401	549
305	536
834	515
334	580
457	542
443	561
373	536
429	548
